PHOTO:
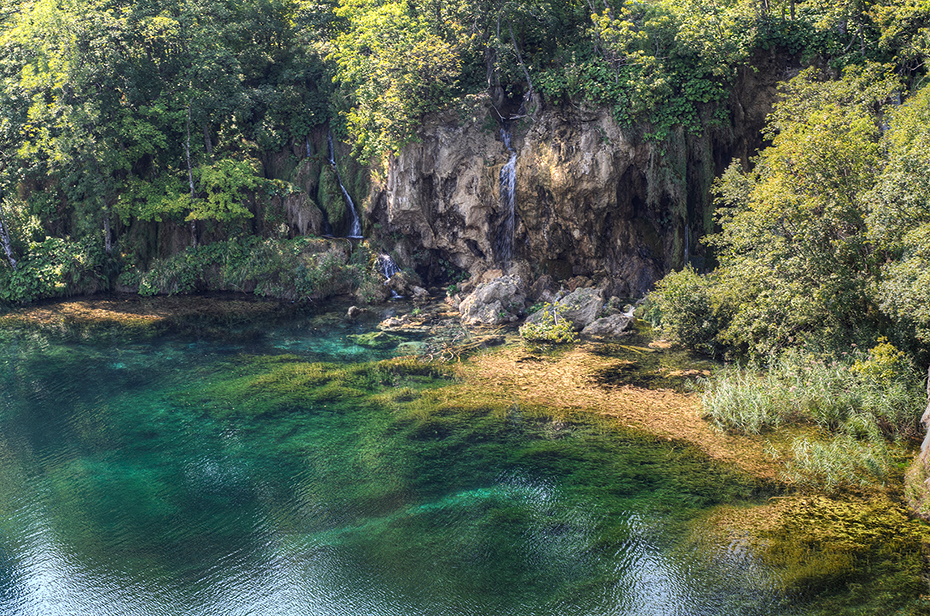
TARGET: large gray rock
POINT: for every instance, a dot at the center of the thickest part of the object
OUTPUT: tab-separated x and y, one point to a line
494	303
582	306
403	283
608	327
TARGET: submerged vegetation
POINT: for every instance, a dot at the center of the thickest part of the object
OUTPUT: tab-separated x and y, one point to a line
596	431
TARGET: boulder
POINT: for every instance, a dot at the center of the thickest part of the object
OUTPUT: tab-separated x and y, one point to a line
608	327
494	303
419	295
403	283
582	306
543	290
613	306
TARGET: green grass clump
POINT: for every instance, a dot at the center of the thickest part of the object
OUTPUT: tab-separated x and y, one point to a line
840	463
879	389
859	405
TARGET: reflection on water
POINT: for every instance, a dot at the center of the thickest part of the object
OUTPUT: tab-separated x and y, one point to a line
121	497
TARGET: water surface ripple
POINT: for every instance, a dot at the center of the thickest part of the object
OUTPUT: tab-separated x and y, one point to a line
122	495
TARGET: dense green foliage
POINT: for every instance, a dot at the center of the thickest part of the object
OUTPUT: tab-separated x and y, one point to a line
821	242
302	268
822	249
129	123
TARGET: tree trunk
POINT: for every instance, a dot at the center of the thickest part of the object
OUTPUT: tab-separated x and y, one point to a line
207	140
107	242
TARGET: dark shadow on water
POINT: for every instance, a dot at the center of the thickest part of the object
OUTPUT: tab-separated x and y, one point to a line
639	362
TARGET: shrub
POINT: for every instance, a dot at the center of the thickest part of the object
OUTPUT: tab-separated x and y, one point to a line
56	267
286	269
551	326
683	308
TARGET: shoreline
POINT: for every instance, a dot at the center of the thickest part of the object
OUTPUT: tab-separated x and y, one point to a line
601	378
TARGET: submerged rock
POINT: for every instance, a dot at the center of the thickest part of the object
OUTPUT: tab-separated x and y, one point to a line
411	347
376	340
355	312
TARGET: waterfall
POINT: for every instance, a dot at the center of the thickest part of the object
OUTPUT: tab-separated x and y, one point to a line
388	268
503	244
387	265
687	242
355	231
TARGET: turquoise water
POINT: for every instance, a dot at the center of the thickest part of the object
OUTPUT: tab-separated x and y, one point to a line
182	477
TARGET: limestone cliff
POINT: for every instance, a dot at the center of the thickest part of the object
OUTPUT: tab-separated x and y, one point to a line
592	198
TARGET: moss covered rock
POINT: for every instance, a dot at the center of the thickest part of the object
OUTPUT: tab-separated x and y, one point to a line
376	340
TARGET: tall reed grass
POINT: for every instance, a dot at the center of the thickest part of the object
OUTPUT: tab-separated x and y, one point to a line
879	388
859	402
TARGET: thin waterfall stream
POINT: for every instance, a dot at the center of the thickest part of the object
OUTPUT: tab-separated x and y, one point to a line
503	244
355	229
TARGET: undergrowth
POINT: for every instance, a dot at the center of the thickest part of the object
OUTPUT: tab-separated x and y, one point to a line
302	268
859	404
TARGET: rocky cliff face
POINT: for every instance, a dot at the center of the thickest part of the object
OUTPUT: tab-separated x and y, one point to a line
591	198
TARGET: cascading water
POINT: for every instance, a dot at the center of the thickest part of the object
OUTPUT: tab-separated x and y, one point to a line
503	244
355	230
388	269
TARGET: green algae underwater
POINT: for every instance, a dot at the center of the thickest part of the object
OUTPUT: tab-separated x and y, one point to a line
284	469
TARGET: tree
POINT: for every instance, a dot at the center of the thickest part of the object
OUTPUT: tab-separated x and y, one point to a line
795	261
399	64
899	216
